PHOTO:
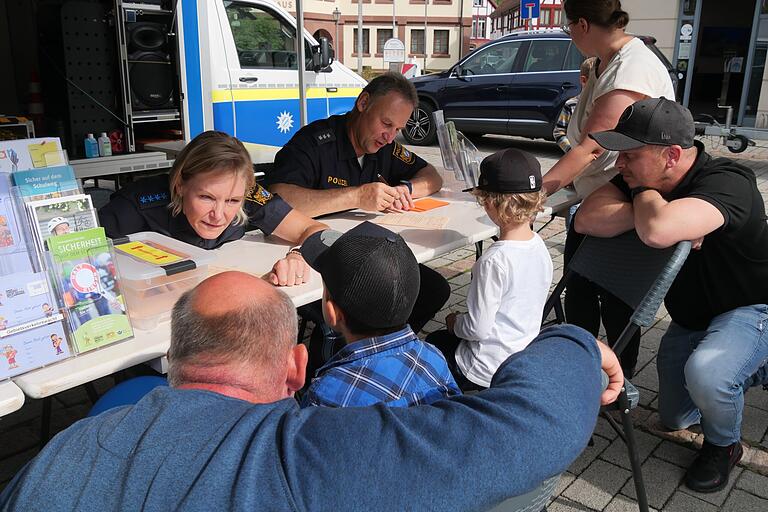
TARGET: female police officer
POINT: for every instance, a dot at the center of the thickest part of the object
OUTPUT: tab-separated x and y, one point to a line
210	198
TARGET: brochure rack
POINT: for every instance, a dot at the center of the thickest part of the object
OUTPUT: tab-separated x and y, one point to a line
458	152
43	318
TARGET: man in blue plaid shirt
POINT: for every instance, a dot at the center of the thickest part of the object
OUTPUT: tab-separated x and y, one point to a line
371	283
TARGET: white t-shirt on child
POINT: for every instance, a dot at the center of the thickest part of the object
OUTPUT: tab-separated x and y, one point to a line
509	287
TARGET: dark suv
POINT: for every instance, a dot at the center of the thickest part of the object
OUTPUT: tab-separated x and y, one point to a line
515	85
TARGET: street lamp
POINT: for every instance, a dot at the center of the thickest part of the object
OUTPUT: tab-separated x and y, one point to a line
336	17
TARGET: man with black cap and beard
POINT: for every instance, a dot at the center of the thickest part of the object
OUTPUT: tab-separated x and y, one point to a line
371	281
669	190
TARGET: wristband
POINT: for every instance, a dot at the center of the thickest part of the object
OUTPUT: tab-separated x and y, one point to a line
296	249
408	184
639	190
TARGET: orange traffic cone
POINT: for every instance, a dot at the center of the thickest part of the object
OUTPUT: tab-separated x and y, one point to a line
36	111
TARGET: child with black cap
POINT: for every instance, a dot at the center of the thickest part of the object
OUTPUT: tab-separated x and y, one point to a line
510	282
371	281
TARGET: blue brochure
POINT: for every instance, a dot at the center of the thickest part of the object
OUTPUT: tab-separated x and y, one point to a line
46	183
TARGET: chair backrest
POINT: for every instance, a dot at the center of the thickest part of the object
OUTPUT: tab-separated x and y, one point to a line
623	265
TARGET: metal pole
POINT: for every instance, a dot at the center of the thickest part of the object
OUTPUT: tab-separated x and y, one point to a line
336	43
394	22
461	26
360	37
301	62
425	36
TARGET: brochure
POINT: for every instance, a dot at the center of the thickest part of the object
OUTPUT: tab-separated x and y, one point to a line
21	155
14	256
25	351
31	327
59	216
46	183
88	283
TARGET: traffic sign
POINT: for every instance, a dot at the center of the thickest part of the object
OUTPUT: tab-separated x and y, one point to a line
529	9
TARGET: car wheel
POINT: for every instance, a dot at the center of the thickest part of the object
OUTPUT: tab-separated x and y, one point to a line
420	127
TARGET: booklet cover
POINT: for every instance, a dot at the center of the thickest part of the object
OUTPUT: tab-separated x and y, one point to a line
59	216
20	155
14	256
25	351
31	327
46	183
88	282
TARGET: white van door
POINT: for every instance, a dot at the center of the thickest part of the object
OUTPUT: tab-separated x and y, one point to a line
255	88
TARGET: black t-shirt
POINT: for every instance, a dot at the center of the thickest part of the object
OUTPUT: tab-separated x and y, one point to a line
143	206
321	156
731	269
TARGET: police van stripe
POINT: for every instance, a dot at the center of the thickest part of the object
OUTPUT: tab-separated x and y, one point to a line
224	95
192	63
257	120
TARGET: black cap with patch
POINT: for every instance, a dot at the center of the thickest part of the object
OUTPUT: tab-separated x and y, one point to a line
655	121
510	171
369	271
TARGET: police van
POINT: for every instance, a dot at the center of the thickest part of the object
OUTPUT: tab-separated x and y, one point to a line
156	70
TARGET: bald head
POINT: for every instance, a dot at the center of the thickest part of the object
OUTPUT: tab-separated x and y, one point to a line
235	322
229	292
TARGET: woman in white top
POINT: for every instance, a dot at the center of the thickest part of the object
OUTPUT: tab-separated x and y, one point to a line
626	71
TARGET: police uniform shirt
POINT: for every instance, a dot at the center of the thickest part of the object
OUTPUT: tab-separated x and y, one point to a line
321	156
143	206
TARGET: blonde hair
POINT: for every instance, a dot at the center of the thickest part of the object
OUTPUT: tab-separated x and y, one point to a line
586	66
512	208
211	151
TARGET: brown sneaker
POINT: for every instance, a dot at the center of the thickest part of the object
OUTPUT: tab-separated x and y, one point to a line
711	469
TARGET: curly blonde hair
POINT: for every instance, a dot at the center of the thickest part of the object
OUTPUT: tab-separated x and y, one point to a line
512	208
211	151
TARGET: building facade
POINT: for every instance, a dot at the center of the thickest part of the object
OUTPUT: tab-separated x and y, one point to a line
481	22
436	33
719	50
509	17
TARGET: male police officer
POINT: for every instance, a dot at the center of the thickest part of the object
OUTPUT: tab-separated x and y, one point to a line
352	161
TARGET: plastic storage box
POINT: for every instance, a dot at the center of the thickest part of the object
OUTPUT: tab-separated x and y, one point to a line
156	270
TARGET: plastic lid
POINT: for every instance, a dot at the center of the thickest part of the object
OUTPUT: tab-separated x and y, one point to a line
103	134
90	135
134	269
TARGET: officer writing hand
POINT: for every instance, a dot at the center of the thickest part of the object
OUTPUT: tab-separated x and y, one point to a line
289	271
376	197
404	201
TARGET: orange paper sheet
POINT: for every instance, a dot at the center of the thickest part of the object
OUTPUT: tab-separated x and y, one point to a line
424	205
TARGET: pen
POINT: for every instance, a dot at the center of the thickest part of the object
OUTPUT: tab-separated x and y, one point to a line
381	179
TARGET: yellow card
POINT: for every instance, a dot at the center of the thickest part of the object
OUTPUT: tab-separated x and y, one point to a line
148	253
45	154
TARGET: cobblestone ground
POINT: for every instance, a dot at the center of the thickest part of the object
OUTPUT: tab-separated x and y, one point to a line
600	479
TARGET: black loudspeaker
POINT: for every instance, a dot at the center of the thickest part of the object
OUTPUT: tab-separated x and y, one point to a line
150	69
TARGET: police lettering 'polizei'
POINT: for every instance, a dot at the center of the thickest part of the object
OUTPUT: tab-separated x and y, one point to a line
352	161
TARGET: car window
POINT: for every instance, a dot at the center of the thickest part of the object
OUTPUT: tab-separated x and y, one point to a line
574	59
262	39
546	55
496	59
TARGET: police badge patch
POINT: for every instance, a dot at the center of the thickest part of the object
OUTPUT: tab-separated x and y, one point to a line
258	194
403	154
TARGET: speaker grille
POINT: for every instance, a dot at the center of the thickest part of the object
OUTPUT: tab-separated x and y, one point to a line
152	81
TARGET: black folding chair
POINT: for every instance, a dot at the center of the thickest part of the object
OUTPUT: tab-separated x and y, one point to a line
640	276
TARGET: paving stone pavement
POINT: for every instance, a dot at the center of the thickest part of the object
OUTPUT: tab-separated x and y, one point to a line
600	479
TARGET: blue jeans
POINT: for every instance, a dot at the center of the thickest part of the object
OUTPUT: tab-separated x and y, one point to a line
703	374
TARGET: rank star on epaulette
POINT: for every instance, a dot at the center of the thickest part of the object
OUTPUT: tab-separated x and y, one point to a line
258	194
324	136
152	200
403	154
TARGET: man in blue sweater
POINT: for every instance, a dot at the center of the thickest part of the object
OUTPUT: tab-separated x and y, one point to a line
227	434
